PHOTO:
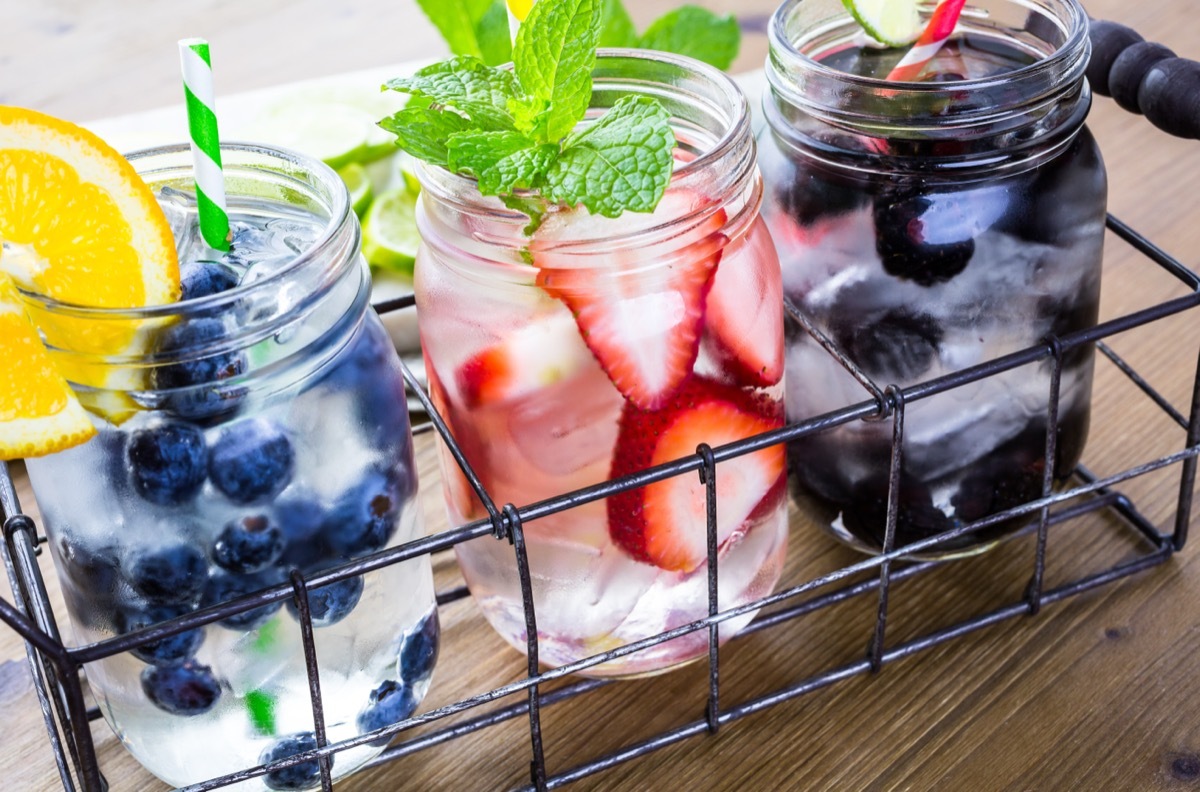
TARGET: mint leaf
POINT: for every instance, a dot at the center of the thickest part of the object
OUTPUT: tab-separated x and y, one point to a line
474	152
495	39
472	27
697	33
501	161
616	28
526	111
260	706
469	86
422	131
553	59
623	161
522	170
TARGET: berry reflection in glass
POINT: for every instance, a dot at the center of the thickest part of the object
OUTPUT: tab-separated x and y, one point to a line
261	429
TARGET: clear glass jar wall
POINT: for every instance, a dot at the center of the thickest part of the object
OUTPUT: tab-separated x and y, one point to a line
926	227
243	434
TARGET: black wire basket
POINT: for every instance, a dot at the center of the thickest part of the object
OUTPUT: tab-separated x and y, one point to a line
57	668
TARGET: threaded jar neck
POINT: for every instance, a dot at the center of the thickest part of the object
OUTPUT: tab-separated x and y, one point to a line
1046	96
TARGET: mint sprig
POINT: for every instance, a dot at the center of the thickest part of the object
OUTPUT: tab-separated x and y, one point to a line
553	59
695	32
479	28
614	165
515	131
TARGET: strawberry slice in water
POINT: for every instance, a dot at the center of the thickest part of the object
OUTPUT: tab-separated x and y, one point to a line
664	523
459	494
639	309
745	312
544	352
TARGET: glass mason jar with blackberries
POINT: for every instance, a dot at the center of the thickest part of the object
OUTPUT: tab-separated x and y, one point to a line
256	428
925	227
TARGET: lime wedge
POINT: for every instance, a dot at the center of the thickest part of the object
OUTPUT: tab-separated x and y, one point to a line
891	22
359	186
336	134
406	165
365	104
390	236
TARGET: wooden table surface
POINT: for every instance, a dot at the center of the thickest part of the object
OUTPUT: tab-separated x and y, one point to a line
1100	692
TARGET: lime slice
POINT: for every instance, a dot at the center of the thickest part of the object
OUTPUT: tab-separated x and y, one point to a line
891	22
336	134
406	165
390	236
359	186
364	103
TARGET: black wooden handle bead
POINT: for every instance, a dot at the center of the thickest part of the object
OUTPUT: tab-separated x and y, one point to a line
1130	68
1145	77
1108	41
1170	96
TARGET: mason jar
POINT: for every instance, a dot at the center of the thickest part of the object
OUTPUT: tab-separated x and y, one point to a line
925	227
592	348
254	428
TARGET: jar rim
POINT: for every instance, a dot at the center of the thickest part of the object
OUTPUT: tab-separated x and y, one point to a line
322	183
724	95
1045	76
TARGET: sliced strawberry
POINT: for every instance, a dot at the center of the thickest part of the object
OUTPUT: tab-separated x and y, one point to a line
460	496
664	523
745	311
639	308
541	353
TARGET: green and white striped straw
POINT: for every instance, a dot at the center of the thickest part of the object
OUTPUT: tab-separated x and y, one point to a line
206	144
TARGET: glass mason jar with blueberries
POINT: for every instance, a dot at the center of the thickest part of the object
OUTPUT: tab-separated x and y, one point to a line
255	428
925	227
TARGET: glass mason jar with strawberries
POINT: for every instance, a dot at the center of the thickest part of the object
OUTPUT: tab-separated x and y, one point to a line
583	347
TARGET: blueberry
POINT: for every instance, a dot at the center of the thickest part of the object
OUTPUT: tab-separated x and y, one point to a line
94	570
251	461
223	587
368	351
170	651
813	193
382	408
302	775
389	703
172	575
167	463
204	278
420	650
927	238
365	517
90	577
898	346
300	520
188	689
199	371
248	545
331	603
246	246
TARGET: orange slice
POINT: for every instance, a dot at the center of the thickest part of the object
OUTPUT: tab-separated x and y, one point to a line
38	412
80	226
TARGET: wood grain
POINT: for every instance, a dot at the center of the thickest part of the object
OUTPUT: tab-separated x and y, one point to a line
1100	692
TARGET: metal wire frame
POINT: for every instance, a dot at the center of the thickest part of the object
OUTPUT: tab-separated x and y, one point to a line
56	668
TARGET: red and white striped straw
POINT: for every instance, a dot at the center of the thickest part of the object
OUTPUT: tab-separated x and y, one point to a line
941	25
